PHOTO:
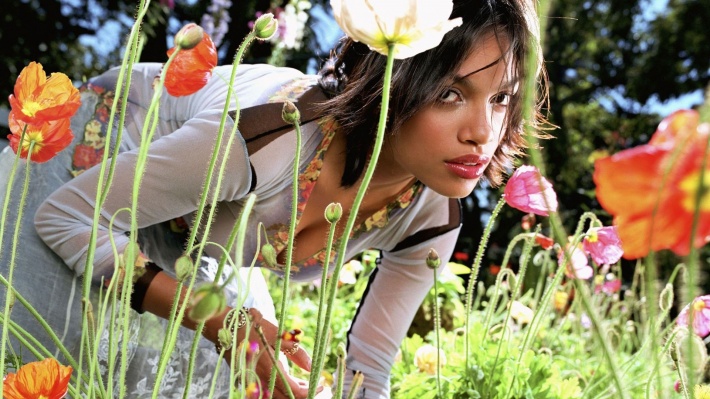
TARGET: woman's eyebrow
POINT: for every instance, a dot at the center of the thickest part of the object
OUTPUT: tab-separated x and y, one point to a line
459	78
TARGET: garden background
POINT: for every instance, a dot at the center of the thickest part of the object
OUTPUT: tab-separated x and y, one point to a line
616	68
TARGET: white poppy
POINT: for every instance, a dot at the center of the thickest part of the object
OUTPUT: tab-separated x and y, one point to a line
413	26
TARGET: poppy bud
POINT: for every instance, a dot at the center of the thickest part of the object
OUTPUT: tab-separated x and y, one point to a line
224	337
665	300
269	254
432	260
183	267
189	36
340	351
333	212
207	301
265	26
290	113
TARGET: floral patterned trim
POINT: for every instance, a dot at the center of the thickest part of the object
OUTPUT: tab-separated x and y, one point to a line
307	181
90	150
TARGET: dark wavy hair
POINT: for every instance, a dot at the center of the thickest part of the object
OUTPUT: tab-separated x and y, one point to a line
353	77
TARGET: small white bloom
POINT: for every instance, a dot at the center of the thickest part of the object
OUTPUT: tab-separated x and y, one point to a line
425	359
521	313
413	26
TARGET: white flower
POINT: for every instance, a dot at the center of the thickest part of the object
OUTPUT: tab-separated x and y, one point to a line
521	313
425	358
413	26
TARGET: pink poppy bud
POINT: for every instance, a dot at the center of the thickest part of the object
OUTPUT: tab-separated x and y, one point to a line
529	192
604	245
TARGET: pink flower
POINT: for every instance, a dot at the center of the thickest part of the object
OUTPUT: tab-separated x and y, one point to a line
529	192
578	265
701	315
603	244
608	285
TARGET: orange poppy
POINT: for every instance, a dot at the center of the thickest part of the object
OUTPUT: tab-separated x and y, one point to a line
651	214
38	99
191	69
45	379
50	137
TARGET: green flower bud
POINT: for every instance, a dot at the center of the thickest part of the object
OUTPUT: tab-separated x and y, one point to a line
265	26
206	302
189	36
183	267
665	300
269	254
333	212
224	337
290	113
432	260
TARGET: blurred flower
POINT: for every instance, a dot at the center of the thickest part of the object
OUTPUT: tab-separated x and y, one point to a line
292	335
191	69
676	386
425	358
528	221
700	309
560	300
521	313
49	137
413	26
38	100
460	256
349	271
585	321
45	379
216	20
494	269
528	191
608	285
252	391
578	265
544	241
702	392
661	181
603	244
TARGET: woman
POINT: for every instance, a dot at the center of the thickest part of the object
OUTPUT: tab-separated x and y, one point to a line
455	118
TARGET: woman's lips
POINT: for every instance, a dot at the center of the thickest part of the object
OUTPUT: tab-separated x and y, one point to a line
468	166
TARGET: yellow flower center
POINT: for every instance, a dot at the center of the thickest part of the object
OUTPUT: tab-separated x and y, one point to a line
690	185
30	108
30	136
698	305
592	236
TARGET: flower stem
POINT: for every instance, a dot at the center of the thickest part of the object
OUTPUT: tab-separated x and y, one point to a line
474	274
321	332
437	327
15	239
289	253
377	148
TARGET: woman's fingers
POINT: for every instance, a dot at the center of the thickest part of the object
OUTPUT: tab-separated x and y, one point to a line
296	354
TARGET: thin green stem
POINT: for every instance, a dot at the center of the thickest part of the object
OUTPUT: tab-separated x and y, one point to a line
474	275
289	252
13	254
321	332
437	327
377	148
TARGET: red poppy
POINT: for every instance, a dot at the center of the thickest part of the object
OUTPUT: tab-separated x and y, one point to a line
38	99
652	210
191	69
45	379
49	137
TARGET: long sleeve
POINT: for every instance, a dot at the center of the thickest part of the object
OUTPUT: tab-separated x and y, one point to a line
395	291
176	167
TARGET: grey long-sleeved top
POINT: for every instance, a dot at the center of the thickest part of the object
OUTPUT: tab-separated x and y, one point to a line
177	161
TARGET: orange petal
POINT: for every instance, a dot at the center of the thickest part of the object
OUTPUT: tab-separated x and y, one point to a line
31	77
675	126
629	177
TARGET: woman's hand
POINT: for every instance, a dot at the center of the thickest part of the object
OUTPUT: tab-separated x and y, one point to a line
260	330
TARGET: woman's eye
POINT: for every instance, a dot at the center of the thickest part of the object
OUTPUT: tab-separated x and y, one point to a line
449	96
501	99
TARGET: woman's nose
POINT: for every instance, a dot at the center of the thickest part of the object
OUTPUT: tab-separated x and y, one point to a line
478	127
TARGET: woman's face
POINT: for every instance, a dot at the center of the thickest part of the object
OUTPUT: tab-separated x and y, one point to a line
448	145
